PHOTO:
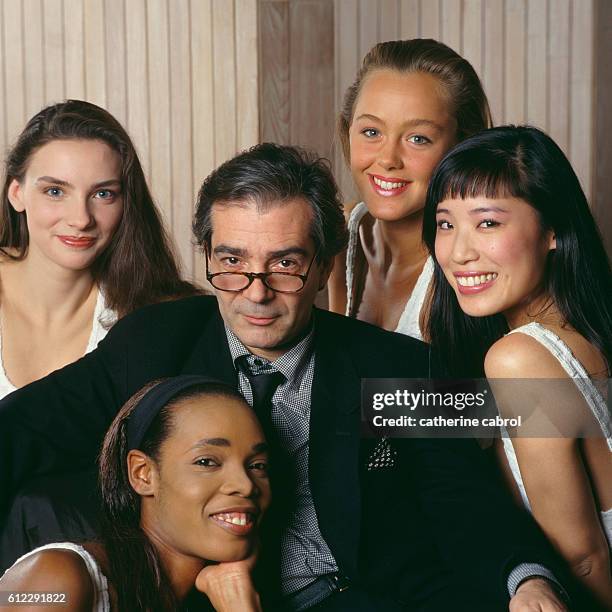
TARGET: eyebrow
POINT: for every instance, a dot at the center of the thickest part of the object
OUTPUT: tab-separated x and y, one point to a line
239	252
260	447
475	211
56	181
410	123
212	442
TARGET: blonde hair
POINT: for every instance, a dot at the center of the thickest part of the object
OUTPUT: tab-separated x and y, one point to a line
469	103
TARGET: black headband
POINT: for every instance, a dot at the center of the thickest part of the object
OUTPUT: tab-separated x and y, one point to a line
155	399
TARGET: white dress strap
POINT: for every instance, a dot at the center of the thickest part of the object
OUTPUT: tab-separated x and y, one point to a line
354	221
575	370
101	602
408	323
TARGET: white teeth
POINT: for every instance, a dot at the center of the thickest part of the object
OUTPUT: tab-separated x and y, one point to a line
388	185
477	279
235	518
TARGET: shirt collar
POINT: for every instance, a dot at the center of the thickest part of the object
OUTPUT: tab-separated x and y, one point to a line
287	364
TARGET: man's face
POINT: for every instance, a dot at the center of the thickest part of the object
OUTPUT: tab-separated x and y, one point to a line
277	240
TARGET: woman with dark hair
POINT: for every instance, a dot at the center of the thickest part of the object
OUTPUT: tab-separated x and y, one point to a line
411	101
522	288
81	242
183	474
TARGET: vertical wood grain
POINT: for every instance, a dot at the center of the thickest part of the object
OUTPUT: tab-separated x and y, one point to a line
202	96
274	71
602	201
537	64
430	19
514	62
34	75
348	62
180	140
73	49
409	19
224	45
3	115
137	89
388	20
312	75
247	98
472	33
451	11
581	92
558	73
53	50
14	68
493	63
95	56
368	25
116	75
159	105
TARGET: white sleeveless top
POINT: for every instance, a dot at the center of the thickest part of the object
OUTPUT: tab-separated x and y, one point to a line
103	319
101	599
593	397
408	323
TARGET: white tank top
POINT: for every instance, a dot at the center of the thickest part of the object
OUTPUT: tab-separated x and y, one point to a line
103	319
408	323
591	394
101	599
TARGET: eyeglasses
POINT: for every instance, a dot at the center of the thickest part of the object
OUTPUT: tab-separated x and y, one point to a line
281	282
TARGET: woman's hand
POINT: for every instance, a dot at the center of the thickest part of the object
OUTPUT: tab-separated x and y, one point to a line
229	586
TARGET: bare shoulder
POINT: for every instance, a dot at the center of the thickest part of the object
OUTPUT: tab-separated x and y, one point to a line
521	356
53	571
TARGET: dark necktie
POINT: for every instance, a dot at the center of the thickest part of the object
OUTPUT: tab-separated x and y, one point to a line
263	387
281	470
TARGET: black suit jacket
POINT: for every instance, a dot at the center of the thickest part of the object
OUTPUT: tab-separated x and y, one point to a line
435	516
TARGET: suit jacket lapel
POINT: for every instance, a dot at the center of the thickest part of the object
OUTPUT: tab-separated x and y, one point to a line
211	355
334	445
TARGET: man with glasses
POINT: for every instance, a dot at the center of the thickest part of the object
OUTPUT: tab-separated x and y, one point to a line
357	523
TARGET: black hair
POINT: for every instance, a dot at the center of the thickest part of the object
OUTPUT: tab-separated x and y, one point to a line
521	162
135	569
270	174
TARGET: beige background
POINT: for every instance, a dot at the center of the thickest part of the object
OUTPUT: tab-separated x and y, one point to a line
545	62
181	75
194	81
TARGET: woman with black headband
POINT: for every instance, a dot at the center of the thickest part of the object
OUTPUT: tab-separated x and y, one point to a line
183	474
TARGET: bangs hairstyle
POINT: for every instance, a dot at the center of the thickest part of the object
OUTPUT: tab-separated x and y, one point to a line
521	162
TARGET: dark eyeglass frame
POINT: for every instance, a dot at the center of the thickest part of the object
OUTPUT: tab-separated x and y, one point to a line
263	276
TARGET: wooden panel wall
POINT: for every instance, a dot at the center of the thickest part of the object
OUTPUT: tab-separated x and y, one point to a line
297	73
602	126
180	75
535	58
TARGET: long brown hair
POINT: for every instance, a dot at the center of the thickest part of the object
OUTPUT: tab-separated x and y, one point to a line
138	266
463	87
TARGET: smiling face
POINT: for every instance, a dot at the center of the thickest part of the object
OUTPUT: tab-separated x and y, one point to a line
274	240
493	253
402	126
210	486
71	195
